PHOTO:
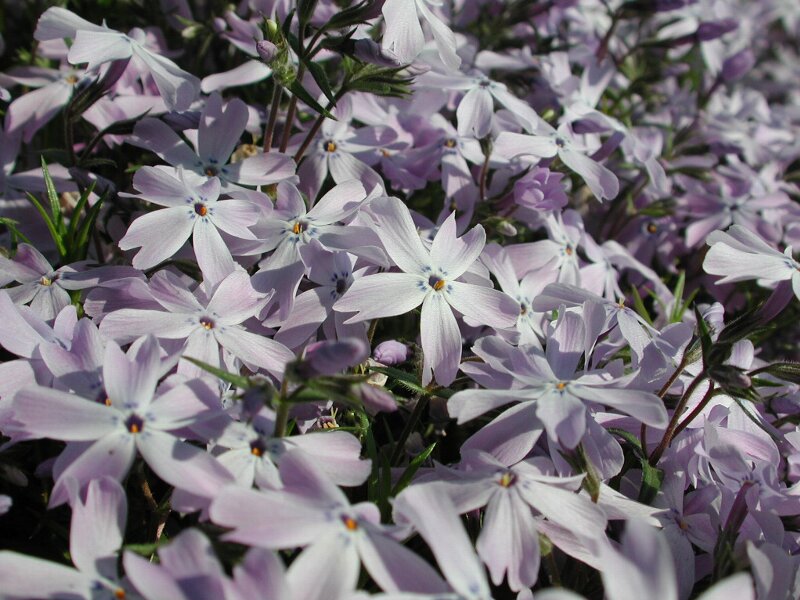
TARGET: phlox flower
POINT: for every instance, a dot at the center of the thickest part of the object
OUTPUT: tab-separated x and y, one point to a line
215	140
127	416
292	226
739	254
403	36
209	322
429	278
96	533
96	44
311	511
193	209
547	142
549	379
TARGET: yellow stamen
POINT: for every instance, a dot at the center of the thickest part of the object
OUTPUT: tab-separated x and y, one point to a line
507	478
46	281
256	451
119	594
560	386
652	228
450	143
134	428
438	285
201	210
296	228
350	523
211	171
330	147
107	401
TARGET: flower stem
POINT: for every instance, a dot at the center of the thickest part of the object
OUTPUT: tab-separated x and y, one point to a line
676	415
416	414
282	410
273	116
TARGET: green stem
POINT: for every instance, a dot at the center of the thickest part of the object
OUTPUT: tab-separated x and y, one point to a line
282	411
416	414
269	132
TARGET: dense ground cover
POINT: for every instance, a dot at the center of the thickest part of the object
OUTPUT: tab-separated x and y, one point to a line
326	299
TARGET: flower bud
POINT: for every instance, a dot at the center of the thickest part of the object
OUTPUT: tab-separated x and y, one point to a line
390	352
711	30
267	51
331	357
736	66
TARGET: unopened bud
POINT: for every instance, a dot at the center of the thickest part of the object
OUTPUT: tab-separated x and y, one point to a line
390	352
736	66
711	30
267	51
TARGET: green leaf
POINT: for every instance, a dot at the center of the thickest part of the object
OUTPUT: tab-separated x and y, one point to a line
72	229
409	381
787	371
81	241
305	10
412	468
639	306
298	90
52	195
240	381
321	78
62	252
11	224
652	477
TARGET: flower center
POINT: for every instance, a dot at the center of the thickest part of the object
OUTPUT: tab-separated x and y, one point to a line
134	424
257	447
560	386
119	594
523	309
350	523
437	283
46	281
207	323
560	142
211	171
341	286
507	479
71	79
449	143
652	228
200	209
299	227
330	146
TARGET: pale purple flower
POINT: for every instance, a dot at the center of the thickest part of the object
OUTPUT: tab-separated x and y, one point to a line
128	415
403	35
253	455
209	323
549	379
390	352
740	255
221	127
292	226
96	534
310	511
547	142
94	45
193	209
429	278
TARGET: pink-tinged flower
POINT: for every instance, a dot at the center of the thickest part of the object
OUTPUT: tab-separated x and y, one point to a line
310	511
95	45
739	255
209	324
403	36
47	289
193	210
292	226
510	492
434	516
333	273
429	278
253	455
33	110
128	415
96	534
217	136
549	380
529	322
547	142
342	151
475	111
